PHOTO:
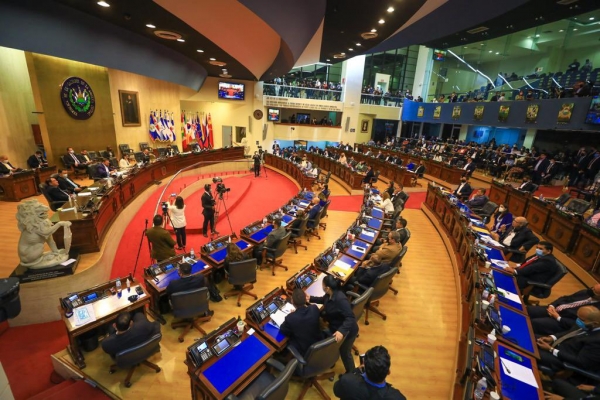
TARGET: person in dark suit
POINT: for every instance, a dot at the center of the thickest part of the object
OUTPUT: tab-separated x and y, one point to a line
104	170
539	168
550	171
518	239
71	160
163	245
479	200
464	190
208	211
369	271
37	160
108	153
399	197
337	312
272	240
55	193
579	346
67	184
420	169
526	186
187	281
469	167
130	332
562	389
6	168
302	325
368	381
369	176
561	314
314	211
256	159
539	268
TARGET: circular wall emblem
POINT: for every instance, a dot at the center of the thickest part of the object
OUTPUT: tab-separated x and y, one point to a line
77	98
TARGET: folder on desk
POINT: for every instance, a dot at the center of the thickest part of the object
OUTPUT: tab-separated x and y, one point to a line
344	266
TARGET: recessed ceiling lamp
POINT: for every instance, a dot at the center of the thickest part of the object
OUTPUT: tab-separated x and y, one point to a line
103	4
167	35
212	59
358	44
373	30
537	35
497	52
368	35
491	51
350	49
339	55
574	29
200	51
562	30
181	40
217	63
381	21
390	9
592	18
325	60
150	26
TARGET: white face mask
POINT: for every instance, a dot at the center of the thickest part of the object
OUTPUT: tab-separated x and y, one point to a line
65	175
501	209
71	151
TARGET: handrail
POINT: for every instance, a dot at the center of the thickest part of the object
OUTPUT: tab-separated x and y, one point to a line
290	91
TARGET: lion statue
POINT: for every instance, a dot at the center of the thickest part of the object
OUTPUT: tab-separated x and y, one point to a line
36	230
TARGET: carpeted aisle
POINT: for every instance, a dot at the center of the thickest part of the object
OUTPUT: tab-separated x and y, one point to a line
260	199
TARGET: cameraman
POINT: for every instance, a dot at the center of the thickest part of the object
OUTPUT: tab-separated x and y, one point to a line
368	380
256	158
177	215
208	210
163	245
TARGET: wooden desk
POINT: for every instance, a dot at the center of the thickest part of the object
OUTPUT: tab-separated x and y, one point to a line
214	380
498	193
43	173
217	257
106	309
562	230
269	332
537	215
586	250
517	201
352	178
18	186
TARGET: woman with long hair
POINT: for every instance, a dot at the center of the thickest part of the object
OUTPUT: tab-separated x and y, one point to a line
177	216
233	254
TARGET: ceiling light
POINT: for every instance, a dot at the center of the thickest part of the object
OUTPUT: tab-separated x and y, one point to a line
497	52
200	51
482	44
212	59
591	18
381	21
575	29
181	40
373	30
562	30
464	47
391	9
150	26
358	44
537	35
350	49
343	54
328	60
490	51
103	4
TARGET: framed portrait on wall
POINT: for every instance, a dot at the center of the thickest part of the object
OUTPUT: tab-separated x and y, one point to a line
437	111
364	126
503	113
456	112
478	113
532	113
420	112
564	115
130	108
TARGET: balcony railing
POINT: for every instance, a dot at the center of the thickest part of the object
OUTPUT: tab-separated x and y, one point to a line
270	89
381	100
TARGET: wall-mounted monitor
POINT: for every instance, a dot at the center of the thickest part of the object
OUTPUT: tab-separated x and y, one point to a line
439	55
273	114
593	114
231	91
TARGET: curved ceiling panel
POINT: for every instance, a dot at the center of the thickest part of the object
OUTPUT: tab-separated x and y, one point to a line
232	27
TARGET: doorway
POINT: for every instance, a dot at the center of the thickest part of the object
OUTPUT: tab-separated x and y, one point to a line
227	132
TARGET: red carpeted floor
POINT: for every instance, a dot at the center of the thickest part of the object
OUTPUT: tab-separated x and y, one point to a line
261	196
415	200
550	191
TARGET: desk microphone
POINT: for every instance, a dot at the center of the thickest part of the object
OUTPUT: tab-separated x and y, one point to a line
504	365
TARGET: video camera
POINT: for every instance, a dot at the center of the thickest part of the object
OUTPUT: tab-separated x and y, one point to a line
164	206
220	188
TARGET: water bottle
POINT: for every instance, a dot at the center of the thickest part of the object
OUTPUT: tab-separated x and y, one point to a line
541	197
480	389
485	294
118	283
264	222
128	285
192	253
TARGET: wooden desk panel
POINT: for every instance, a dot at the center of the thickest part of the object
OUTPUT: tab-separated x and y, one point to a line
586	250
18	187
517	202
537	215
562	231
498	193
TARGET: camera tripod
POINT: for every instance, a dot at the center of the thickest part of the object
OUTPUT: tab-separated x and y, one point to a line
218	201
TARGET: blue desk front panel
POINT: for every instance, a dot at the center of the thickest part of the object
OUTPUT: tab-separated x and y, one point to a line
287	218
507	282
274	332
493	253
230	367
308	195
375	223
519	329
377	213
262	234
366	238
174	274
348	260
219	256
513	388
358	254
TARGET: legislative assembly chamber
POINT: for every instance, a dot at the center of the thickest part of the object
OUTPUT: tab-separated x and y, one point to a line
241	199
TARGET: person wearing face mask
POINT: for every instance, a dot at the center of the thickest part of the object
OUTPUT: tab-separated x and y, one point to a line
337	312
560	315
579	346
518	239
526	186
502	220
539	268
464	190
66	184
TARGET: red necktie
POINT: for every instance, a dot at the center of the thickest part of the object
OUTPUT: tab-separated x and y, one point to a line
532	259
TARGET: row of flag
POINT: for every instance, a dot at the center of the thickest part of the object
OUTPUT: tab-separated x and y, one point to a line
197	128
162	126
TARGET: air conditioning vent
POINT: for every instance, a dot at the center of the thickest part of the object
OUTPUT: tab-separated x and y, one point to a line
566	2
217	63
368	35
478	30
167	35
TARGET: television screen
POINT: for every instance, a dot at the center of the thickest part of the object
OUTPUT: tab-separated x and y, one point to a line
230	90
593	115
439	55
273	114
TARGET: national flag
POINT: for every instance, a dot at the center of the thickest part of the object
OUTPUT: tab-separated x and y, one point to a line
184	142
166	132
152	131
172	127
210	133
199	132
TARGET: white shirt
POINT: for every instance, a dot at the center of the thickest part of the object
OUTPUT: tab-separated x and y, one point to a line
508	240
123	163
177	216
388	206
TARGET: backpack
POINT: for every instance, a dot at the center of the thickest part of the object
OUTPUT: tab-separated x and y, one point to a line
214	293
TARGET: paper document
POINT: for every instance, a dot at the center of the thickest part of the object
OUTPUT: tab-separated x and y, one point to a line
359	249
518	372
368	233
283	223
84	314
277	318
509	295
69	261
342	264
500	263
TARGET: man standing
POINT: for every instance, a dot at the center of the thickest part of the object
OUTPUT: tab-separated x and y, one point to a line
302	325
539	268
130	332
526	186
540	168
163	245
256	159
561	314
208	210
368	381
469	167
